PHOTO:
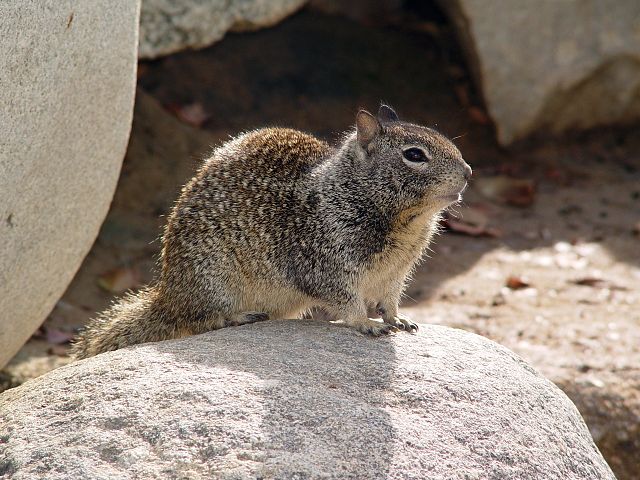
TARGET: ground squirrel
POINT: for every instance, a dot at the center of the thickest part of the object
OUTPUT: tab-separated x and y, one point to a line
277	222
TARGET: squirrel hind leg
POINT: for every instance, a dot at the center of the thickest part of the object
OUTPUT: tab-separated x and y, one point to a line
244	318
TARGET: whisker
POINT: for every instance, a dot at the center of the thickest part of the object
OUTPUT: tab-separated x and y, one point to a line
409	297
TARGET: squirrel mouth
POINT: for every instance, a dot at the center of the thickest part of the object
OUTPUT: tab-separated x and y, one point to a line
451	198
455	197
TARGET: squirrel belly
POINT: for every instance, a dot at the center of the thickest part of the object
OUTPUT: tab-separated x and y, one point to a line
277	222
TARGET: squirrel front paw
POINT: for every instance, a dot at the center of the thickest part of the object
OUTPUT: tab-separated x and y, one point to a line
401	322
373	327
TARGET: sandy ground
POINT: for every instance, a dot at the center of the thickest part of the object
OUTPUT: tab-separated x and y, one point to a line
544	255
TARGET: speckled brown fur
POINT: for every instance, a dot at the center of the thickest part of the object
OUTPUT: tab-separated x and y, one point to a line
277	222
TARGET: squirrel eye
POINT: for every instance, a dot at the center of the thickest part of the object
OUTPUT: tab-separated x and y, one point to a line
414	154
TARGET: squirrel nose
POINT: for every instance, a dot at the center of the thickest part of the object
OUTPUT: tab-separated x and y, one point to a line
467	171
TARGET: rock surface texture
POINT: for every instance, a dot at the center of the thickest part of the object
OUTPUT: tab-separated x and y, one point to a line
168	26
68	82
550	65
298	399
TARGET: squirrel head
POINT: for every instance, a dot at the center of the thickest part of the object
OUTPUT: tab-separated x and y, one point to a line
415	165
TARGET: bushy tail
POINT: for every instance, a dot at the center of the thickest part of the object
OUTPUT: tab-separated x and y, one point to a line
136	318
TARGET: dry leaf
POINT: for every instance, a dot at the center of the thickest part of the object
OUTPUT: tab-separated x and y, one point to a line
193	113
517	283
473	215
516	192
478	116
470	221
471	230
119	280
589	282
597	283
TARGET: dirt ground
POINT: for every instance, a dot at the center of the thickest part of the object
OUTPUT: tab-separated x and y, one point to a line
543	256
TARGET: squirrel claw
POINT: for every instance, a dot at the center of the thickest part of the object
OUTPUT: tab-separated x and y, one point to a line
376	329
403	323
245	318
384	329
409	326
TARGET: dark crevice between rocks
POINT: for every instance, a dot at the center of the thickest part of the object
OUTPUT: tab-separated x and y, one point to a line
7	381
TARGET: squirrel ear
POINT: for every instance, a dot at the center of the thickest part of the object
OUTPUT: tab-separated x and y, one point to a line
387	114
367	127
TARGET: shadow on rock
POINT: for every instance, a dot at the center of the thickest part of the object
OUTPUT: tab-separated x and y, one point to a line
320	398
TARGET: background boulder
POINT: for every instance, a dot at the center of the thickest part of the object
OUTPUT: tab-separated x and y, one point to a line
298	399
68	81
549	65
168	26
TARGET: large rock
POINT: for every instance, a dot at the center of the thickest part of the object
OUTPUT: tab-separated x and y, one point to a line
68	79
161	156
552	65
168	26
298	399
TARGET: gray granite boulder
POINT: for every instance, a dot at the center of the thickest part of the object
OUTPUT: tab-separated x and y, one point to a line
552	65
68	82
298	399
168	26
